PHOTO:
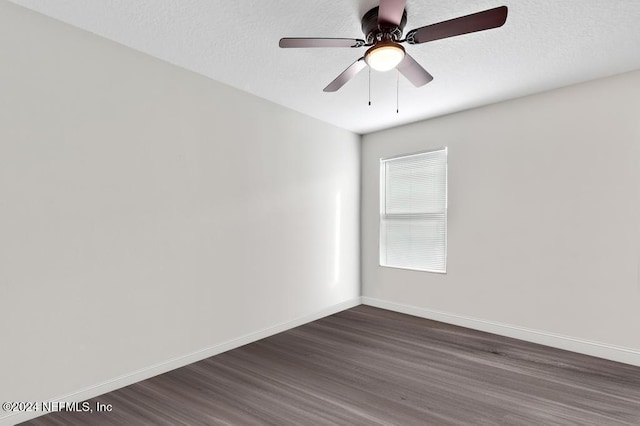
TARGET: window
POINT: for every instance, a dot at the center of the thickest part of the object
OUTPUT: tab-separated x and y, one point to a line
413	211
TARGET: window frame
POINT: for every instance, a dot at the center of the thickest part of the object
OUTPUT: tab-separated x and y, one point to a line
382	195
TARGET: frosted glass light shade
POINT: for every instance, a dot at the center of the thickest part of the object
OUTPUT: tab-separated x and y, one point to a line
384	56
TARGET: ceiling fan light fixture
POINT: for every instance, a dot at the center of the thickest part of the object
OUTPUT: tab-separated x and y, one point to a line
384	56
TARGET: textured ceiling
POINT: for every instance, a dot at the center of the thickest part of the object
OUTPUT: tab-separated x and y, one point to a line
543	45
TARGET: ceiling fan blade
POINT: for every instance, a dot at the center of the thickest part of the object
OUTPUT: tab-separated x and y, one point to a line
390	12
320	42
480	21
413	71
346	75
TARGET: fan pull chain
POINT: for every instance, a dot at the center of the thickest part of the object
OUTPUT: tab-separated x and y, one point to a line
369	86
397	91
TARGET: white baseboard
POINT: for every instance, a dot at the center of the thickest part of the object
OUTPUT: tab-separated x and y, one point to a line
172	364
600	350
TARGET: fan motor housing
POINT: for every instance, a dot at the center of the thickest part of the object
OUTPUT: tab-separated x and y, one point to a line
375	32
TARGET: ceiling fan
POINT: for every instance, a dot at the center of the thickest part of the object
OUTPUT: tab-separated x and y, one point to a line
383	27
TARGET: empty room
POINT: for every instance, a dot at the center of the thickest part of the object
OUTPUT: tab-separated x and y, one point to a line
331	212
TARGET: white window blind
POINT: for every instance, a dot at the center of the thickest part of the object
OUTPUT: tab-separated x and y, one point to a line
413	211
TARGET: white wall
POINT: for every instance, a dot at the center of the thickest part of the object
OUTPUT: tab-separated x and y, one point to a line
544	210
147	212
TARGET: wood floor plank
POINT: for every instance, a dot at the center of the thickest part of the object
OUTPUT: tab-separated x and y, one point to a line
368	366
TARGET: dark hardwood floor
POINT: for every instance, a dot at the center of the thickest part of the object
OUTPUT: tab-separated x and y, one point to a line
367	366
